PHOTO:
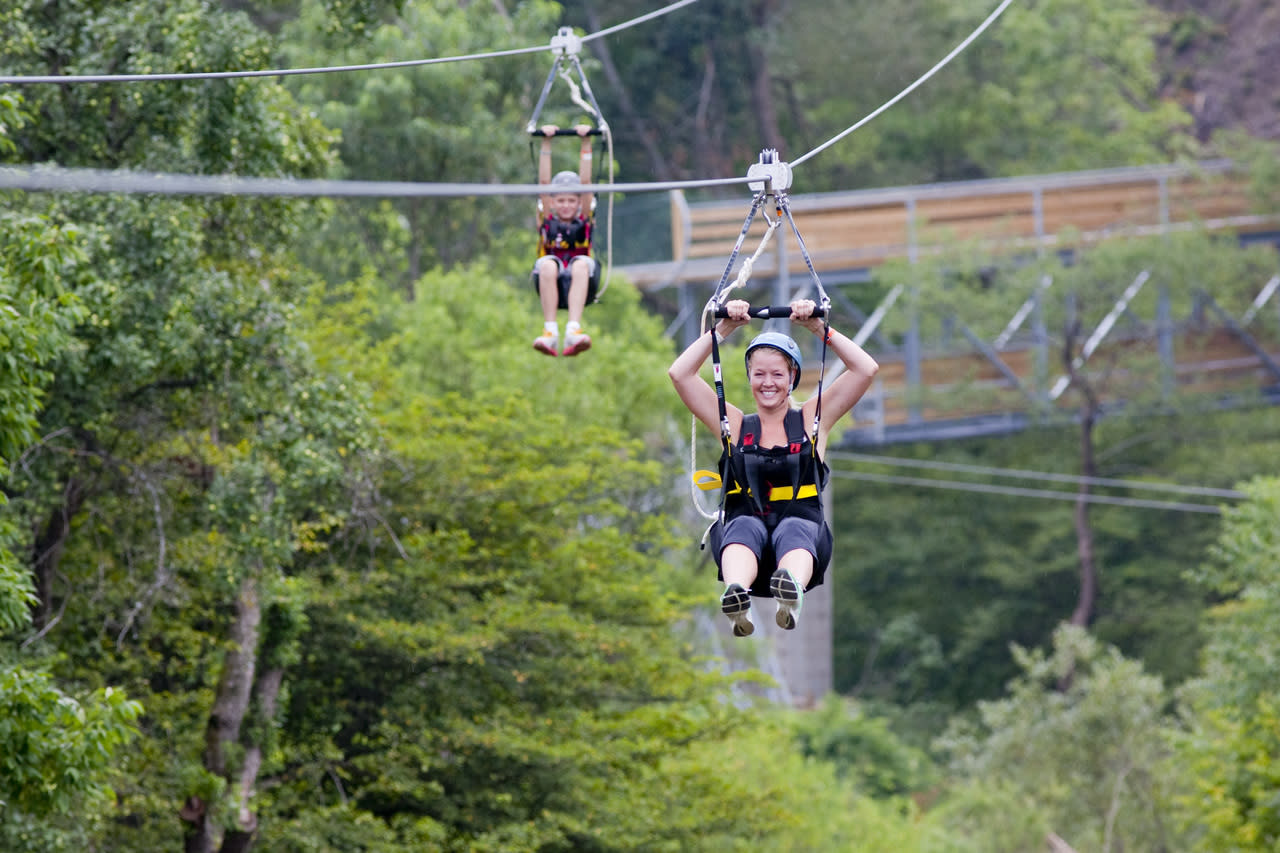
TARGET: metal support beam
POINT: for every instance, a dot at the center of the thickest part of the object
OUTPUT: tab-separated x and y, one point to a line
1164	342
915	375
1268	290
1245	338
1020	316
1100	333
992	356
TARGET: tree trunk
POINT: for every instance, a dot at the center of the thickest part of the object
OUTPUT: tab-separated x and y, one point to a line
1087	597
762	82
47	549
702	129
241	838
229	708
644	134
415	251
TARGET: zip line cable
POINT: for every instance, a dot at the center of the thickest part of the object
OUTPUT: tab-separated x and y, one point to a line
272	72
1043	476
1016	491
919	81
97	180
286	72
646	17
55	178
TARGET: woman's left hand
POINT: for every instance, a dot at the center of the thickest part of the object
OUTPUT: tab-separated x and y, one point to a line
802	313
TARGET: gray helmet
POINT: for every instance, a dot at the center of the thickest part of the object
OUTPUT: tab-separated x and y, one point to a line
565	179
783	344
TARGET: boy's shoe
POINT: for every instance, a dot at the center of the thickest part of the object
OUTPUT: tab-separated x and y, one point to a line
547	342
789	596
736	604
576	342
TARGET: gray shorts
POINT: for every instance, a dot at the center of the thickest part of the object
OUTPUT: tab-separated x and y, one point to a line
790	534
563	278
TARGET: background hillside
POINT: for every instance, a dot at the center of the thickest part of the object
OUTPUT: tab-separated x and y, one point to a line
1221	60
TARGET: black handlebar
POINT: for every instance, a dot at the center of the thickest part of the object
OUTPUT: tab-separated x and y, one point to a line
567	131
770	312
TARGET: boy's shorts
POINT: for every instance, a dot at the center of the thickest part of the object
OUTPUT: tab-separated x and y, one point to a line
563	278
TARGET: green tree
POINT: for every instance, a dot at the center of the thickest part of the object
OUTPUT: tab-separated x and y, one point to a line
454	122
192	459
56	751
1231	741
1014	569
1091	760
508	669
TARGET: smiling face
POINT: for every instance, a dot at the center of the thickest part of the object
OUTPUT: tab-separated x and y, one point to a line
566	205
770	373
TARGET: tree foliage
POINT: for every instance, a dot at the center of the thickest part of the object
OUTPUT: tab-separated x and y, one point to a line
1092	761
1231	745
291	561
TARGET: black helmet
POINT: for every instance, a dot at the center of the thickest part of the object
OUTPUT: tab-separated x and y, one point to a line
783	344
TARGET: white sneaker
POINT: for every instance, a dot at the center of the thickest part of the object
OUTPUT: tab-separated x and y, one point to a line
736	604
790	598
547	342
576	342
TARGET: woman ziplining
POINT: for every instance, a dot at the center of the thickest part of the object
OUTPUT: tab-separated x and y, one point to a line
770	537
772	472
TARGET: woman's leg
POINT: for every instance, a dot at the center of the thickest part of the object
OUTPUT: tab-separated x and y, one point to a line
796	539
738	565
743	539
799	562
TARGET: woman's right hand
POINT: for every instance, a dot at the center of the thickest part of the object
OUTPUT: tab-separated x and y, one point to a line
737	316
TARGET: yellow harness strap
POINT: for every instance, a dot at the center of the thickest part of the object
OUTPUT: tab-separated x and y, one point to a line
706	480
784	493
710	480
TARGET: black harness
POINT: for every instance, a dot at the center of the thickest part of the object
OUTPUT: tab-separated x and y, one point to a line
564	238
772	482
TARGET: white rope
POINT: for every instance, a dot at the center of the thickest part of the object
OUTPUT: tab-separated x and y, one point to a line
1040	476
693	467
748	264
608	217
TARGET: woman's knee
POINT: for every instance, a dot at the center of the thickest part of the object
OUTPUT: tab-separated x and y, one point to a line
739	554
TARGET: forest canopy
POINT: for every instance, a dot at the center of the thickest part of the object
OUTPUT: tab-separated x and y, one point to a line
301	547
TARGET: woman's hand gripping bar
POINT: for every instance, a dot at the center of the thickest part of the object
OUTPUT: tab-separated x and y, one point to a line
770	312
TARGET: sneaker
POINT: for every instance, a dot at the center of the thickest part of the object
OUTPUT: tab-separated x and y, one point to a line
576	342
736	604
789	596
547	342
